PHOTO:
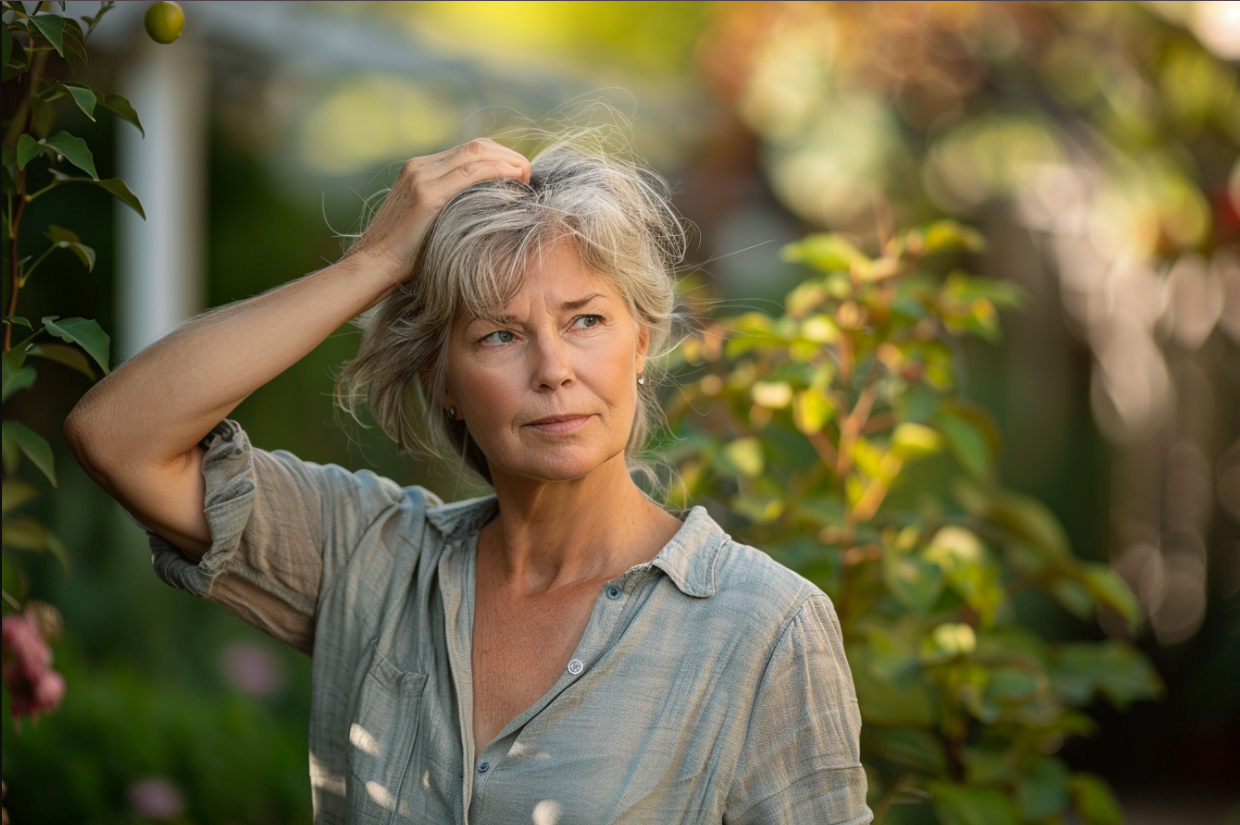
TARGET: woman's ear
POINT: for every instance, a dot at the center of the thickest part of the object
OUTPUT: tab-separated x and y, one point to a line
643	344
449	399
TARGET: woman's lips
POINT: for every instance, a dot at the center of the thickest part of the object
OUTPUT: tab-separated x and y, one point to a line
558	427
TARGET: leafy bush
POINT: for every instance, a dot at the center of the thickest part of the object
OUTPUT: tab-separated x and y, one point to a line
33	161
836	431
221	755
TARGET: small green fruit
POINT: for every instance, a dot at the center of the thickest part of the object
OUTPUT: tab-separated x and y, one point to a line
164	21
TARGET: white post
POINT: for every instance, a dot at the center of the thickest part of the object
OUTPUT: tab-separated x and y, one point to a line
161	260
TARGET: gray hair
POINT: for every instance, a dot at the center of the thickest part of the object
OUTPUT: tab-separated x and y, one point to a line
582	186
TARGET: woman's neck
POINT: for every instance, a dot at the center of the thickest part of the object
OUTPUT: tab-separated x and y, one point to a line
549	535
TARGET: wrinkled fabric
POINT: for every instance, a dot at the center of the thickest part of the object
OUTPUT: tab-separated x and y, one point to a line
710	684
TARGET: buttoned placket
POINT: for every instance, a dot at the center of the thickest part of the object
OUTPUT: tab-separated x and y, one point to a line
457	571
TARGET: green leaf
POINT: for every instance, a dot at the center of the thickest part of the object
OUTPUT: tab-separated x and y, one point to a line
1125	675
917	749
970	570
12	453
825	251
20	346
948	234
970	438
119	106
915	440
65	239
1074	596
775	395
34	446
915	582
1115	669
962	805
888	703
1094	801
84	98
27	150
84	332
743	456
948	641
868	458
16	493
987	766
1043	790
1109	589
16	376
1010	685
962	288
75	43
804	298
63	354
20	380
1033	522
18	320
75	151
811	410
52	27
114	186
25	533
758	509
57	548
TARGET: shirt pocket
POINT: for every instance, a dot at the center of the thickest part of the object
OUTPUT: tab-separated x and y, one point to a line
382	733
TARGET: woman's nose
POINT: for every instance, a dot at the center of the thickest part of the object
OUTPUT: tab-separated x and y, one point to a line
552	366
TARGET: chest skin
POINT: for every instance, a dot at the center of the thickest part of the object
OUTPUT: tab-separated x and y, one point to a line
522	644
521	647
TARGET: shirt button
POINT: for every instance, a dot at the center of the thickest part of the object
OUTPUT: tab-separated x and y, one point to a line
575	666
613	592
483	767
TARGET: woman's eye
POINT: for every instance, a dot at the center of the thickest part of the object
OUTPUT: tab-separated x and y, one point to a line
590	320
494	337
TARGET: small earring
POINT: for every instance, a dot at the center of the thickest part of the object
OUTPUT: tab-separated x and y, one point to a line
641	379
452	413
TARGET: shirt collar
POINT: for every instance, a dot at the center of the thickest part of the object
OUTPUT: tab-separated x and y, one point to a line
688	559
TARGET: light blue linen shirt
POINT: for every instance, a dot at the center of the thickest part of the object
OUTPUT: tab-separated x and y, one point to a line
710	684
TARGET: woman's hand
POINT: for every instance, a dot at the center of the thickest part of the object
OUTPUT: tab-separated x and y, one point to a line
422	188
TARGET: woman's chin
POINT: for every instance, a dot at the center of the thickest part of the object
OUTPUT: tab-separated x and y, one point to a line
569	465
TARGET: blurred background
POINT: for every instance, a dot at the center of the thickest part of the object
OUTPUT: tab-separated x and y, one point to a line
1094	144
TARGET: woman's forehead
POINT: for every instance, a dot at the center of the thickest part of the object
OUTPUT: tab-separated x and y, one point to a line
561	282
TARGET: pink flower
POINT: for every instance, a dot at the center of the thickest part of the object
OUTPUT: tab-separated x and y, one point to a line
23	640
252	669
155	798
34	687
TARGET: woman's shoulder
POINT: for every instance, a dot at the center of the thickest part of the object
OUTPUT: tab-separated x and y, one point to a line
749	579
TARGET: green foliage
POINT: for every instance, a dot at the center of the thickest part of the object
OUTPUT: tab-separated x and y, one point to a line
836	431
231	757
32	33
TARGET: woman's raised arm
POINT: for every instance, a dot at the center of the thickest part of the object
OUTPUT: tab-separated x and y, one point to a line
136	432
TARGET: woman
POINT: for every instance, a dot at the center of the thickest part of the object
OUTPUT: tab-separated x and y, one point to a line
564	650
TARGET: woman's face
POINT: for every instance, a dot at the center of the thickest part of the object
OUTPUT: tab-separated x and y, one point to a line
570	349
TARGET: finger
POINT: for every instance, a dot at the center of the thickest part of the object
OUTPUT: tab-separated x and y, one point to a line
473	172
482	149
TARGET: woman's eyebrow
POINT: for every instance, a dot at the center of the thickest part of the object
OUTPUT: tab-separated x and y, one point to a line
580	302
504	318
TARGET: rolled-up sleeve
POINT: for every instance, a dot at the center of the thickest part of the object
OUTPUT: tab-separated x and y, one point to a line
801	758
278	527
